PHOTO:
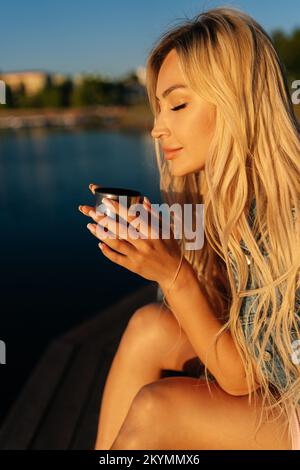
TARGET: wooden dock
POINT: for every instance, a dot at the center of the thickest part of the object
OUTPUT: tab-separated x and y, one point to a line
59	406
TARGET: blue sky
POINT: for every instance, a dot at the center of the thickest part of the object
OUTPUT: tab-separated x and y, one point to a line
110	37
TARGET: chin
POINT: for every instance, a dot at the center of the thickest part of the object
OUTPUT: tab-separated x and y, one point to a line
177	171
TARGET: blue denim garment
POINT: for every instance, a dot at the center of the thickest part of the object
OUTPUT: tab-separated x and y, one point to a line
272	364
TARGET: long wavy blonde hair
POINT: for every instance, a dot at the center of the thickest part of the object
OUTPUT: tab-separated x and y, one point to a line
230	61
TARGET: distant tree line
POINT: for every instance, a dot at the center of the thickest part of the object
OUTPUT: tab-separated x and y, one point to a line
94	90
288	48
91	90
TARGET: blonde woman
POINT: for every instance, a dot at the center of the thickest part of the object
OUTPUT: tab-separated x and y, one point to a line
221	103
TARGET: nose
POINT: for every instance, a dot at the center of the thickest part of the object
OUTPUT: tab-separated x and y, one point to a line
159	130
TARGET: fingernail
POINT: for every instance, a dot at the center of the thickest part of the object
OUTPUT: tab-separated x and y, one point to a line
146	200
79	207
89	226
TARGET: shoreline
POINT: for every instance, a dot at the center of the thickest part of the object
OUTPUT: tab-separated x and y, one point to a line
135	118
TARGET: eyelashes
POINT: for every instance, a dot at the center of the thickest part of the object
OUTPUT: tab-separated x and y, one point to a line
177	108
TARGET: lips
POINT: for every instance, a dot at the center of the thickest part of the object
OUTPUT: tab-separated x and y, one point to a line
170	153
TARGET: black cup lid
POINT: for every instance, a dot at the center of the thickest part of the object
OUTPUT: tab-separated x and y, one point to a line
117	191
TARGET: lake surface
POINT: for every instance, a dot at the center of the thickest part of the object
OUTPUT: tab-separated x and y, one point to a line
54	276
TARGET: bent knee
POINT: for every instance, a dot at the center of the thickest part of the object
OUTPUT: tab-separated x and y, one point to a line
154	320
153	330
146	315
145	323
145	402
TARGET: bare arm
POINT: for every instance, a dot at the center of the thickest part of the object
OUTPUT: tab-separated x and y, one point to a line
200	324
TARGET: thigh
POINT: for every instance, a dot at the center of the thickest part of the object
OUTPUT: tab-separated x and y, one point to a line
155	328
184	413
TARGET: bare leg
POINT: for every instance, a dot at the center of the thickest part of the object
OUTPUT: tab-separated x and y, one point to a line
151	342
183	413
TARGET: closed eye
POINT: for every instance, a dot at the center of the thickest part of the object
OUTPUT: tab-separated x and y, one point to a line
177	108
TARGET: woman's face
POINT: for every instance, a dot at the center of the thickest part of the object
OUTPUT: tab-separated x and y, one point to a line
190	127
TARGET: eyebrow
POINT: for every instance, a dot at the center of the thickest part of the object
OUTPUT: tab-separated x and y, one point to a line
170	89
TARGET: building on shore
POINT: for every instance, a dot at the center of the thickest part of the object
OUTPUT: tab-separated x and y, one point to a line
32	80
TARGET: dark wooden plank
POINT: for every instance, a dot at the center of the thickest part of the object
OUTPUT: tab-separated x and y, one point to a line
114	317
28	411
61	423
85	433
57	428
86	430
58	408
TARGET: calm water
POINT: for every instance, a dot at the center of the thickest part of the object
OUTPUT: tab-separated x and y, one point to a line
53	273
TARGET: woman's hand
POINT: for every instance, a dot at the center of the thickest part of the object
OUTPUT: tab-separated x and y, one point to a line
137	248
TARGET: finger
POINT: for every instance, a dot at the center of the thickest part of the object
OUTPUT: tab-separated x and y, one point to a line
109	238
118	229
139	227
117	258
86	209
120	214
89	211
93	186
139	224
97	214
